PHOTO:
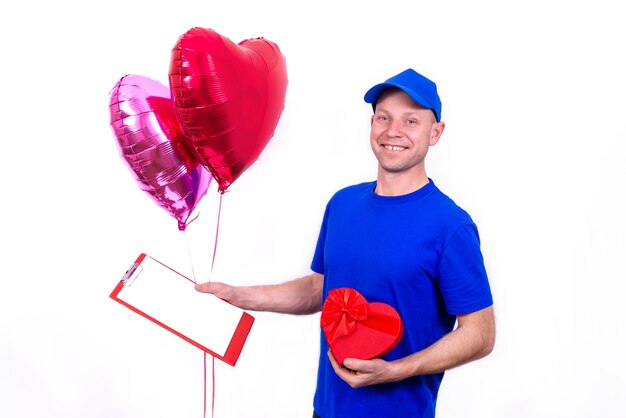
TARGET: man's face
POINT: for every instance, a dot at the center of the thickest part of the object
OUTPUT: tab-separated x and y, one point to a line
401	132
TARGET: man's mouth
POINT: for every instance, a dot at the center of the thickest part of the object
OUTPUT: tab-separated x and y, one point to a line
394	148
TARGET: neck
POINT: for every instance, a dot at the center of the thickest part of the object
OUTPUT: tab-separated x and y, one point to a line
398	184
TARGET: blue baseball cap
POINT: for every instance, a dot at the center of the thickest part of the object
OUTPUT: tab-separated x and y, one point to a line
422	90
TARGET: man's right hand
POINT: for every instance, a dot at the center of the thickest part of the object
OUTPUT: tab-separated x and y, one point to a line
221	290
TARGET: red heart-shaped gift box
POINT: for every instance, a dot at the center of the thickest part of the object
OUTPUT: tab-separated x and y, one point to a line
356	328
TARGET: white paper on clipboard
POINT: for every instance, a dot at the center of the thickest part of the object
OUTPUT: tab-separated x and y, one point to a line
167	298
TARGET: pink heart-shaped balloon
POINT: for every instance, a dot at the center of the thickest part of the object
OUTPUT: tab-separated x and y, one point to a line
228	97
154	148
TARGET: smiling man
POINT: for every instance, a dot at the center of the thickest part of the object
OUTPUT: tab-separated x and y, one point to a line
404	126
398	240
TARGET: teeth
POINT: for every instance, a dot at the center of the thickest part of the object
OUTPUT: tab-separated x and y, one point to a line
393	148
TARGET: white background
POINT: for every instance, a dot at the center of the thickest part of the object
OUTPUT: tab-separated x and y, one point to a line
535	146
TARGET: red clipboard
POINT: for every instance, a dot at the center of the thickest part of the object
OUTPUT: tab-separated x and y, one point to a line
168	298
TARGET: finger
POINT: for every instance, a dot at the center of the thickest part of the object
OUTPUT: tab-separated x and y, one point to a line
342	372
333	362
332	359
358	365
208	287
351	364
200	287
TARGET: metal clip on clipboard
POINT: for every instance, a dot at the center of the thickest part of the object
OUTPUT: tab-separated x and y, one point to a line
131	274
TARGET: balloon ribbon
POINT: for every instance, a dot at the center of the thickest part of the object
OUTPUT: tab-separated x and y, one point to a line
217	229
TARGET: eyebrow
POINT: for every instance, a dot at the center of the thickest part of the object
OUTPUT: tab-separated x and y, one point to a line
409	113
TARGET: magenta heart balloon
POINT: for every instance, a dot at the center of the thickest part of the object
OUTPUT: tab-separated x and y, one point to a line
154	148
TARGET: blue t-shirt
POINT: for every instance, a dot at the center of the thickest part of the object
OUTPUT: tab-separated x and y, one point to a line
419	253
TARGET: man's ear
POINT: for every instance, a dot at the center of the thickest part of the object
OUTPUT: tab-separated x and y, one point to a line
436	131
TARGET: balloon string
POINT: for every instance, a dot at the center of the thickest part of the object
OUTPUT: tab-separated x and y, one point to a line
205	384
194	218
213	383
217	229
213	386
193	271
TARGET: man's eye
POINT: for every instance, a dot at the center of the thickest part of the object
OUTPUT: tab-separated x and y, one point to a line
411	122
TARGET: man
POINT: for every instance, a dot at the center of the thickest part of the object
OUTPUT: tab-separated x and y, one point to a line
397	240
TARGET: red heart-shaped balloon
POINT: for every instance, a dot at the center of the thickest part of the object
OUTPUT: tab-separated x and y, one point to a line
229	98
357	328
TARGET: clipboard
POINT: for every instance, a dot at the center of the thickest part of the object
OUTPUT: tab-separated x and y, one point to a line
168	298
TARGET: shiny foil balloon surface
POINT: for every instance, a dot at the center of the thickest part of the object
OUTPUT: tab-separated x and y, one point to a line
228	97
152	145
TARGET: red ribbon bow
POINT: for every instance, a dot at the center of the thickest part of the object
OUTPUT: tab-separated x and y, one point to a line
342	309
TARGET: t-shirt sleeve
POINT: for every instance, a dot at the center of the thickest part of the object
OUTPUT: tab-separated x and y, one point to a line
463	278
317	265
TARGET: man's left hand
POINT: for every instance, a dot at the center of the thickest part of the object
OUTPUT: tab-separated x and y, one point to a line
358	373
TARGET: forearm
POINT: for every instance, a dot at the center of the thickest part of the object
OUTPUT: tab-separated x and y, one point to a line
471	340
300	296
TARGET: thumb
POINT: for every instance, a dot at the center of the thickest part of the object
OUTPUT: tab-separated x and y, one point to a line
354	364
221	290
208	287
